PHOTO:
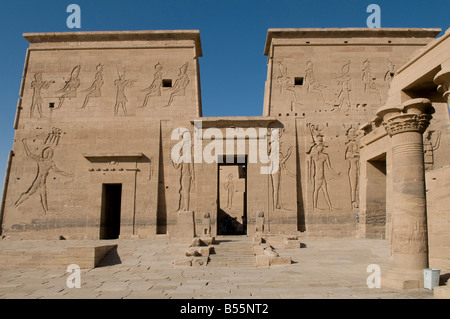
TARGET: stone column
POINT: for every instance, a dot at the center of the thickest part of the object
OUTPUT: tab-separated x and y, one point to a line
409	239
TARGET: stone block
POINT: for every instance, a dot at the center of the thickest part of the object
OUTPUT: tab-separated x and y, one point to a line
274	261
185	262
262	260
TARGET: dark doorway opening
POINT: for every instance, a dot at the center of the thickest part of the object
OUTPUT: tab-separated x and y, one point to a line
232	197
110	216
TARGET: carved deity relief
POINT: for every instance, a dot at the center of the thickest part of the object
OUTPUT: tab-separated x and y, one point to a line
186	178
38	85
429	148
352	157
69	90
45	164
276	178
121	99
179	87
286	84
95	89
343	93
369	81
317	163
155	87
229	186
312	85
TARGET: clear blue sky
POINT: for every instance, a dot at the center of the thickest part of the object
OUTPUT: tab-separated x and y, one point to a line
233	33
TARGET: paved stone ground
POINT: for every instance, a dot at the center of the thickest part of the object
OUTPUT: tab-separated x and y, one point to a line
325	269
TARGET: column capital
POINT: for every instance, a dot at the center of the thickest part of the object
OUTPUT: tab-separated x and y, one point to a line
412	116
442	79
407	123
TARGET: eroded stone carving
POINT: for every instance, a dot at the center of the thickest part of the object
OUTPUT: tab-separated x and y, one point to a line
312	85
229	186
317	162
121	99
179	88
429	148
343	93
38	85
45	164
95	89
286	84
260	222
155	87
206	225
369	81
69	90
352	157
186	178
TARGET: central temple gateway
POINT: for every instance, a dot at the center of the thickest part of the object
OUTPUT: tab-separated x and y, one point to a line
101	113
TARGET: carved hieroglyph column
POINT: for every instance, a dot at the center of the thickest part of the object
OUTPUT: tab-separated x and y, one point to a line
405	125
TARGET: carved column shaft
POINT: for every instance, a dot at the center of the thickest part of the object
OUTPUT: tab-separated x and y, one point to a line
405	125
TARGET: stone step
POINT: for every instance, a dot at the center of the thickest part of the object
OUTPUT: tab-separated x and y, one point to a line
236	252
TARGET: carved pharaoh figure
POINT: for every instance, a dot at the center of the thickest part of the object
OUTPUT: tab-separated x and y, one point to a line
121	99
179	88
369	81
312	85
343	80
38	85
95	89
318	160
155	87
286	84
45	164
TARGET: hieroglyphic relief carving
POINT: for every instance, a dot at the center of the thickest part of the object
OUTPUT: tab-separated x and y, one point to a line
429	148
38	85
53	137
286	84
312	85
179	87
155	87
317	161
410	236
95	89
343	93
352	157
369	81
69	90
229	186
186	178
45	164
121	99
